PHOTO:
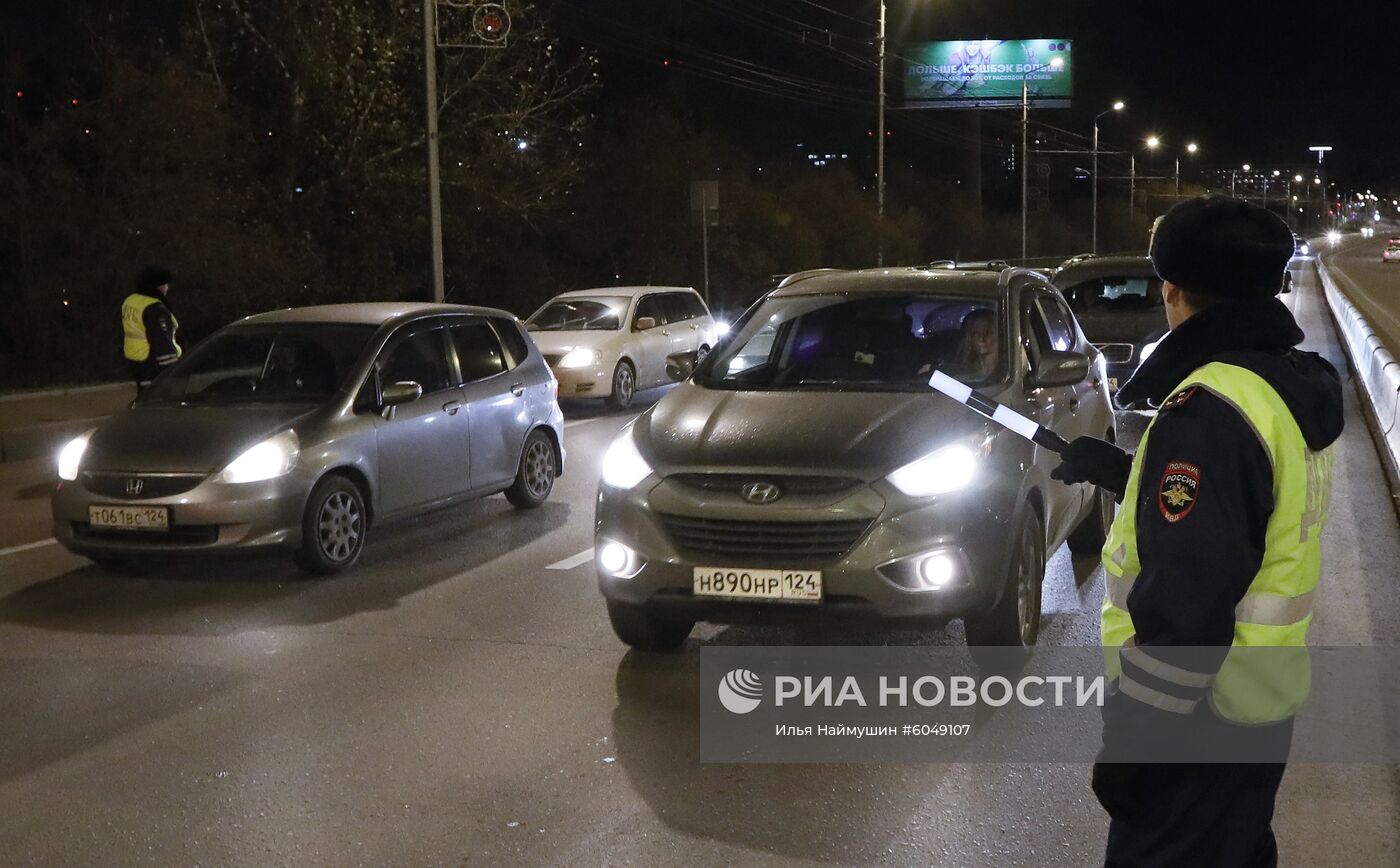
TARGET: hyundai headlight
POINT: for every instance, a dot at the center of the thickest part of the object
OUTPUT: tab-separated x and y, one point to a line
623	464
579	358
948	469
274	457
71	456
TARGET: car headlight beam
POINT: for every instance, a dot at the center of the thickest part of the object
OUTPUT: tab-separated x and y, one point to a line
273	457
941	471
70	457
582	357
623	464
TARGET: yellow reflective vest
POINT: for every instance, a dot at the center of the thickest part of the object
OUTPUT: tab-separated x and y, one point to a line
1251	687
135	345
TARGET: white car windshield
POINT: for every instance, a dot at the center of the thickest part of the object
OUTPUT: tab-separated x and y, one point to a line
579	315
885	342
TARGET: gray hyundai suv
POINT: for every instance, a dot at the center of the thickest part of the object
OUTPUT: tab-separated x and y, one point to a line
806	469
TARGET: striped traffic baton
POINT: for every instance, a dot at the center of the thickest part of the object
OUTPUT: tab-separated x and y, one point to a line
998	413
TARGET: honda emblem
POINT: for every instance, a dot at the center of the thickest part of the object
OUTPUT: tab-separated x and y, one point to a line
134	486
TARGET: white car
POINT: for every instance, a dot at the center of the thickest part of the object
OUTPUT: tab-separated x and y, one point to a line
1391	253
611	342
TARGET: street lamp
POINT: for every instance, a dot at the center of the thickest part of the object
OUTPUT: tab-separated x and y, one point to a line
1245	167
1055	63
1191	148
1152	143
1117	107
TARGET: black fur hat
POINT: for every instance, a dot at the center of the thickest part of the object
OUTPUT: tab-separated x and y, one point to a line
1223	247
153	276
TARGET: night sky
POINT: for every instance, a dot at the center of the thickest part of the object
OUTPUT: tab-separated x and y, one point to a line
1250	81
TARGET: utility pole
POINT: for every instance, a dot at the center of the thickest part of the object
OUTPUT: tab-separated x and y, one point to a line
434	179
1132	188
880	149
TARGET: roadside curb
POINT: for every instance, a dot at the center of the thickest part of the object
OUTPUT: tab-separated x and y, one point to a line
1377	374
64	392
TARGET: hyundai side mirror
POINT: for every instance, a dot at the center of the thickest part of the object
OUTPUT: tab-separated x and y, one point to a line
679	366
402	392
1059	368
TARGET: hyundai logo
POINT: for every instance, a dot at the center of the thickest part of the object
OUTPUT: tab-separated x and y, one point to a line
134	486
761	492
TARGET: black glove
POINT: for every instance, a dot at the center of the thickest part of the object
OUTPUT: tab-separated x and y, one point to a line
1089	459
1125	790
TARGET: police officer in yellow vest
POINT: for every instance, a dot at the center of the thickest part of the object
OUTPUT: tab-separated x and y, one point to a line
149	329
1212	564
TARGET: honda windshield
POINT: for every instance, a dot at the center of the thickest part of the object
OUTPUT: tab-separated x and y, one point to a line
262	364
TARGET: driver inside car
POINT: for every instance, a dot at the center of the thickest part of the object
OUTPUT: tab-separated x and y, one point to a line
978	352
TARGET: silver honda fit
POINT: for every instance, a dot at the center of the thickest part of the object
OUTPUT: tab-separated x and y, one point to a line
299	429
806	470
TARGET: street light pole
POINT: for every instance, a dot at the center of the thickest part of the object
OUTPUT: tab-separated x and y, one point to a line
1056	63
434	181
1025	160
880	149
1094	244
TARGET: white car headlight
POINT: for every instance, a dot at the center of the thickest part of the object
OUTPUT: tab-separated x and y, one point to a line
1148	350
71	455
623	464
939	472
273	457
579	358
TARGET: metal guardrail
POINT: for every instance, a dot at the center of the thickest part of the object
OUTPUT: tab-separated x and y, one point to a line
1376	370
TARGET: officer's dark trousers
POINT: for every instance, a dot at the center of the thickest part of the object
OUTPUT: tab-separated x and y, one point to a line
1204	816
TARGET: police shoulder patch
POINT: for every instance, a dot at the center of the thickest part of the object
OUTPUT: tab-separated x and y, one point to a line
1178	399
1178	491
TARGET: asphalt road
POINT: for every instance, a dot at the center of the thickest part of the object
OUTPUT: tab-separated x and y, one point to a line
459	700
1374	286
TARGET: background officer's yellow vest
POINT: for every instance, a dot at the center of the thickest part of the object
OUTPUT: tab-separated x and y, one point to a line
1252	686
134	344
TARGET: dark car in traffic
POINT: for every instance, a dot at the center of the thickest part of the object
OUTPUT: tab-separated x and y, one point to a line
1118	302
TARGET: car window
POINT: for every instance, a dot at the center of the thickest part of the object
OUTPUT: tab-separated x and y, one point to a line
1059	326
650	306
580	314
677	307
696	304
419	357
837	342
1033	330
517	350
479	353
281	363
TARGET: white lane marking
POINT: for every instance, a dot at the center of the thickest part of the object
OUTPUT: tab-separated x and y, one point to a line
14	550
581	421
570	563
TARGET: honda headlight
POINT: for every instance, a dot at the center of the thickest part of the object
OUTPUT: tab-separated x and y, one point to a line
623	464
948	469
275	456
71	456
579	358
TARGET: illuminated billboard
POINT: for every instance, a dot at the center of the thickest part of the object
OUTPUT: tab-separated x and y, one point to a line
987	73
